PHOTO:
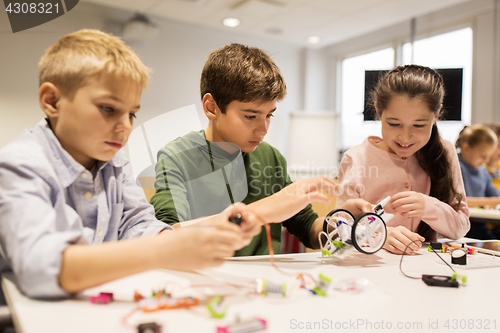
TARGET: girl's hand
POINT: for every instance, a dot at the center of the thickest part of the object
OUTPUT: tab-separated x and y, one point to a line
398	239
408	204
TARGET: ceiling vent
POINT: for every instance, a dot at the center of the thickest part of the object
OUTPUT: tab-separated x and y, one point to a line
257	8
139	29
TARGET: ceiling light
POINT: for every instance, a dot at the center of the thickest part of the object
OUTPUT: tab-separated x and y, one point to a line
231	22
313	39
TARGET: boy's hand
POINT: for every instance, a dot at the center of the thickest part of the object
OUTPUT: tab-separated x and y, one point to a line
399	237
201	245
293	198
250	224
357	206
408	204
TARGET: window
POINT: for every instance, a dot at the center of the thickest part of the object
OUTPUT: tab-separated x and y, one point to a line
450	50
354	130
444	51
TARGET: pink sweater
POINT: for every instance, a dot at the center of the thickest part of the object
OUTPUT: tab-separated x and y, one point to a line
372	174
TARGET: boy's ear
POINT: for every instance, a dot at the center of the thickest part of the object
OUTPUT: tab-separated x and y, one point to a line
376	109
438	113
209	106
465	147
48	96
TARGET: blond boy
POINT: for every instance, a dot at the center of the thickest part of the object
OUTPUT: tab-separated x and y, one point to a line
66	190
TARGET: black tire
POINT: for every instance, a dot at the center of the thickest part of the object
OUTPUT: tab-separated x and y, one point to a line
333	212
357	223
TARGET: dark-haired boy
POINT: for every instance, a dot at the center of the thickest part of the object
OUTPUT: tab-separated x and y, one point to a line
199	173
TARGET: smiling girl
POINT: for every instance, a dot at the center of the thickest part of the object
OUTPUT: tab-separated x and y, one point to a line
414	165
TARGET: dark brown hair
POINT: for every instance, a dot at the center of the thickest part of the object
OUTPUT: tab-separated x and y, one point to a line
240	73
426	85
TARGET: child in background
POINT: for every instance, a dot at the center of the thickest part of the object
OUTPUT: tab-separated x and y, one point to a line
493	165
410	163
477	143
67	194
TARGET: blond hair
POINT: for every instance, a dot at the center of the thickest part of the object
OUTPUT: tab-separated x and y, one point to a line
475	135
240	73
87	54
494	127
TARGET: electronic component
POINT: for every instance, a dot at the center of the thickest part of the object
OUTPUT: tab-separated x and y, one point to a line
440	281
437	280
366	233
149	328
102	298
459	257
216	308
459	278
352	285
435	246
268	288
322	286
445	248
252	325
163	301
451	248
236	219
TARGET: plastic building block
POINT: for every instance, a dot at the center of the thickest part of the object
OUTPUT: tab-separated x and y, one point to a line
252	325
322	286
268	288
149	328
102	298
216	308
164	303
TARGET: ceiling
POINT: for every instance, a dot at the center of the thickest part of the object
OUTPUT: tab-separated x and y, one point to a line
288	20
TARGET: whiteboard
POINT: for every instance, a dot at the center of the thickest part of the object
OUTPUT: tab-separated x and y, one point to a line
313	142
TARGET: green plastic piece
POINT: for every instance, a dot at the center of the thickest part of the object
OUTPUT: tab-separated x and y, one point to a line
283	287
216	311
324	278
455	276
322	285
338	243
318	291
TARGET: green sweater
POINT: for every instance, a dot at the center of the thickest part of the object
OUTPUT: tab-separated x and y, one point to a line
196	178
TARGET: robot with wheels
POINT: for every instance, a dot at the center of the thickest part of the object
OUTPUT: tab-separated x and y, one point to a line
367	233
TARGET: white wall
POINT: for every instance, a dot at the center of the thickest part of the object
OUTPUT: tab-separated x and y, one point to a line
177	57
178	54
479	14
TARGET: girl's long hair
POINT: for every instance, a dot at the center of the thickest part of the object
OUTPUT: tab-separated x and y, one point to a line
425	84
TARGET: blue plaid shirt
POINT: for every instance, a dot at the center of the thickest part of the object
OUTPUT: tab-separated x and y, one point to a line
49	201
